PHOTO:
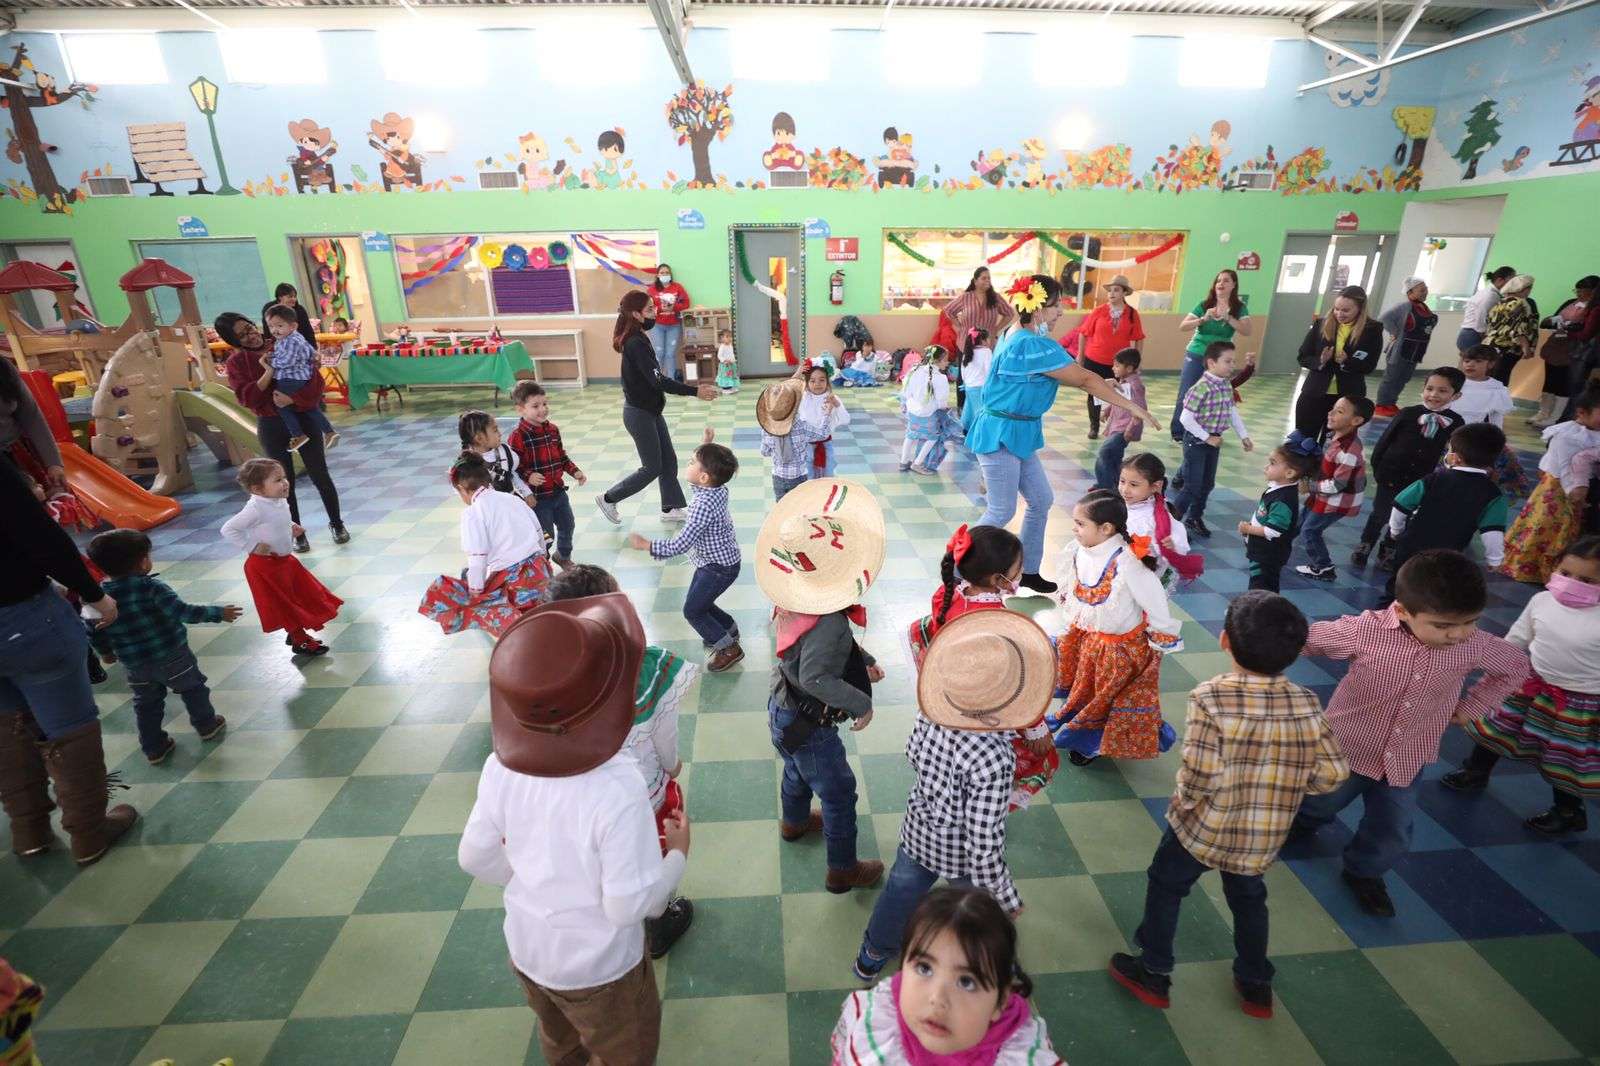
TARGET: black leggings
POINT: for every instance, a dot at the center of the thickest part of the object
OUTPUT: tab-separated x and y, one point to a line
1483	760
1100	370
1509	358
274	438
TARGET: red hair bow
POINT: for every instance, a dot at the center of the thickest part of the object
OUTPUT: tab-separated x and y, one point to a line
1141	546
959	543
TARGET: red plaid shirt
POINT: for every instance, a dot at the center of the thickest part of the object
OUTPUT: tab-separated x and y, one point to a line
1343	480
539	450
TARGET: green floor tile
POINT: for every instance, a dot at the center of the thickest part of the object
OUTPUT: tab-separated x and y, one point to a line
210	1042
244	756
1091	1021
367	706
733	859
140	977
812	1016
93	1045
118	888
821	956
472	746
301	709
887	782
220	882
1557	975
408	749
1066	925
742	735
497	1035
1325	990
735	947
1206	1017
259	971
371	806
1112	836
444	805
321	1041
803	863
27	886
473	971
1037	845
56	958
1101	780
1202	934
732	791
322	877
190	813
751	1030
743	689
327	753
419	873
438	704
279	810
377	965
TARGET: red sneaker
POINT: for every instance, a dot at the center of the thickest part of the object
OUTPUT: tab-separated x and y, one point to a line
1385	410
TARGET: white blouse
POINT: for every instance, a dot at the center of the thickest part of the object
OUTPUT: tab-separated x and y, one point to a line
920	399
1142	523
1561	641
1476	315
1563	441
262	521
498	531
1118	604
975	373
1483	401
811	412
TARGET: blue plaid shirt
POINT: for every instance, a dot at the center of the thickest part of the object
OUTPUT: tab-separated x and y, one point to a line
708	535
791	454
151	620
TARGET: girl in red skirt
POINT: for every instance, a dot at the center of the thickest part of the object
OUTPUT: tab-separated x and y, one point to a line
287	596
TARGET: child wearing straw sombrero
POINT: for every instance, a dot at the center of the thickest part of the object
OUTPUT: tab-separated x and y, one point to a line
786	438
987	675
817	554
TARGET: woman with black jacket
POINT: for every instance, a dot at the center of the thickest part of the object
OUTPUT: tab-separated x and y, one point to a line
49	724
644	397
1338	352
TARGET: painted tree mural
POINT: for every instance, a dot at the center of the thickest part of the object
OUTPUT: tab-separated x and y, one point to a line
1483	133
698	116
24	139
1416	122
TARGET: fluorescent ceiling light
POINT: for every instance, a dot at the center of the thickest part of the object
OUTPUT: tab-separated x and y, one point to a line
114	58
418	50
273	57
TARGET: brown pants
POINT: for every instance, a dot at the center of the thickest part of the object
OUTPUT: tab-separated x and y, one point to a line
614	1024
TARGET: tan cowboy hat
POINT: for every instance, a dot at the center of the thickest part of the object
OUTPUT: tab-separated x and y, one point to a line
561	685
392	123
987	671
1120	279
307	127
778	405
821	547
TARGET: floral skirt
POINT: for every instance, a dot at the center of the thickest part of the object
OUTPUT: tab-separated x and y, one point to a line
1033	773
506	596
1556	730
1111	685
1547	524
287	595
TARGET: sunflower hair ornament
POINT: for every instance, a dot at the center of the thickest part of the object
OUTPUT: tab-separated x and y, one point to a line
1026	294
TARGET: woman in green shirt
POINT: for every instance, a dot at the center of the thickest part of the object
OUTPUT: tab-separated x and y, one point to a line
1216	318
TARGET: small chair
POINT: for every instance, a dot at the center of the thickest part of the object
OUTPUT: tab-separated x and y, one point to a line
335	388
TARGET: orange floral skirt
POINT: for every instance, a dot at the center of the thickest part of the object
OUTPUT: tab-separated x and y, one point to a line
1547	524
1111	687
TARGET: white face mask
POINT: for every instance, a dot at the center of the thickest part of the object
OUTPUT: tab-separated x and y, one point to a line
665	279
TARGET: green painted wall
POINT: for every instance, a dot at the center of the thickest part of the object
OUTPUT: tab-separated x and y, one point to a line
103	230
1550	227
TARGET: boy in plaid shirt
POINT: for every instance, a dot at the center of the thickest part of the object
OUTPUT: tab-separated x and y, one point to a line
1339	488
1208	412
541	460
1255	745
151	638
709	538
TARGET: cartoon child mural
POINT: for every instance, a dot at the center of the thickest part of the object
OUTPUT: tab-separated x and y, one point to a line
896	166
1587	113
784	163
607	174
391	136
1033	155
314	146
992	166
532	154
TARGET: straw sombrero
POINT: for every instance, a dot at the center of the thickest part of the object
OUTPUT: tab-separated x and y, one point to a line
821	547
777	406
987	671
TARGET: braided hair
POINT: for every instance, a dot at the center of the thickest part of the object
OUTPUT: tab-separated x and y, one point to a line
992	551
1105	508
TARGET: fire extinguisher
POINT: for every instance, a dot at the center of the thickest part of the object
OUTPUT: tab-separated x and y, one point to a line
836	288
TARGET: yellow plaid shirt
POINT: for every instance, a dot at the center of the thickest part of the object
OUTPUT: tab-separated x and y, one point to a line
1254	747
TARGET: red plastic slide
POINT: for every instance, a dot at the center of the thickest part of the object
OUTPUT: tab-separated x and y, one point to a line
104	489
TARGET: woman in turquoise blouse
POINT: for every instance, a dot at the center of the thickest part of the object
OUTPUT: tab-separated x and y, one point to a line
1029	366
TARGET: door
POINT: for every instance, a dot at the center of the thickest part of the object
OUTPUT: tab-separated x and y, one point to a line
1314	267
769	309
36	306
333	282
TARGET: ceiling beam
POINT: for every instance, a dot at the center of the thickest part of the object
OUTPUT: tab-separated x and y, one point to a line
1339	49
1417	8
1329	13
668	16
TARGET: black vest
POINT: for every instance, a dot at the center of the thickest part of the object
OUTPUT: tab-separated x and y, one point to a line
1275	552
1452	503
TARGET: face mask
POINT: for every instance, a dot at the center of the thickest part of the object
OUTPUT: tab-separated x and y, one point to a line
1006	588
664	278
1041	328
1570	592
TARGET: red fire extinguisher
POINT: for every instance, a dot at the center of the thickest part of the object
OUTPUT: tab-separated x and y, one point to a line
836	288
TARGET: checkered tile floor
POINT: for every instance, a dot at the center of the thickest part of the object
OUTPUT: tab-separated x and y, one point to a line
291	894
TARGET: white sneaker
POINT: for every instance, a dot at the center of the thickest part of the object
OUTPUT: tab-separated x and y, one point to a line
608	509
677	514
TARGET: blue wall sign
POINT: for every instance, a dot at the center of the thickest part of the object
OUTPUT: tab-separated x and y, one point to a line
190	226
690	218
376	241
817	227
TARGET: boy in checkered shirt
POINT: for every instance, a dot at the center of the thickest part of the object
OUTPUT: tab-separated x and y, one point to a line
1339	487
541	460
1208	412
1255	745
708	536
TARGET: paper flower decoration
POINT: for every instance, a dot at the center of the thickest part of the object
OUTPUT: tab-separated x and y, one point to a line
515	257
538	258
1026	294
559	253
491	254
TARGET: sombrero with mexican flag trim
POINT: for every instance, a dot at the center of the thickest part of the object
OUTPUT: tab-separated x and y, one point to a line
821	547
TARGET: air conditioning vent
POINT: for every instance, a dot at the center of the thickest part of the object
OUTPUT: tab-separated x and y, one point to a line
497	179
1255	180
106	186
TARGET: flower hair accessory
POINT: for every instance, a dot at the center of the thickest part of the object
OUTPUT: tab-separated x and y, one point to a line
1300	444
959	544
1141	546
933	352
1026	294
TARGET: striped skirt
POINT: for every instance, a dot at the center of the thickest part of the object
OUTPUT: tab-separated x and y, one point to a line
1556	730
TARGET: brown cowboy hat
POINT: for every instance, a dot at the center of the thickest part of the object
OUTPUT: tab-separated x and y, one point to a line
987	671
561	683
392	123
1120	279
777	406
307	127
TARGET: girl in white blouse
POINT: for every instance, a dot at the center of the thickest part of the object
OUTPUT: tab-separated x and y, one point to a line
1119	624
821	406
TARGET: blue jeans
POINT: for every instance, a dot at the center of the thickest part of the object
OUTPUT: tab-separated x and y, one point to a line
1193	367
1312	526
1006	475
555	515
782	486
1386	820
818	768
301	423
44	664
1108	463
1468	338
1199	473
179	672
1396	376
1172	874
714	625
903	889
666	340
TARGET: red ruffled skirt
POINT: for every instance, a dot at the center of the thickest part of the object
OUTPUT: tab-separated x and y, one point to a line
671	803
287	595
505	597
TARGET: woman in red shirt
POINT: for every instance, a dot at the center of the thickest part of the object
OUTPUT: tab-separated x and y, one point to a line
666	336
1110	328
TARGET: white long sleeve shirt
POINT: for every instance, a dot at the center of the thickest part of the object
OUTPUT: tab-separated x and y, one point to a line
1483	401
498	530
812	411
262	520
1561	641
1563	441
1476	315
1135	594
975	373
581	865
921	400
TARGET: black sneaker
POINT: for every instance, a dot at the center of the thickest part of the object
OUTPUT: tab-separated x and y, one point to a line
1036	583
301	544
1151	989
1255	997
1318	573
866	968
1359	556
1078	758
663	932
341	535
1372	895
1386	555
1465	779
1197	527
97	671
1559	820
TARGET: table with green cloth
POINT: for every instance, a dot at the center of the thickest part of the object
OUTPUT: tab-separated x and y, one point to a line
368	372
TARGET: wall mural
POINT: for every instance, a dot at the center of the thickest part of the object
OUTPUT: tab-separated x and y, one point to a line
698	116
314	146
22	139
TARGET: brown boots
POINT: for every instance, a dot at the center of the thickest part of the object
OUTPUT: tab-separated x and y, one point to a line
24	791
864	874
76	764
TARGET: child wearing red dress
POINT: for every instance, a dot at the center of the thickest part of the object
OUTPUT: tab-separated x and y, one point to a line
286	594
981	567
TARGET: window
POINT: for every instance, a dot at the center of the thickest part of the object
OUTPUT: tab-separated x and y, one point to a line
780	50
273	57
114	58
1224	62
449	276
418	50
227	277
583	56
1061	58
37	307
908	51
1155	281
1453	269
